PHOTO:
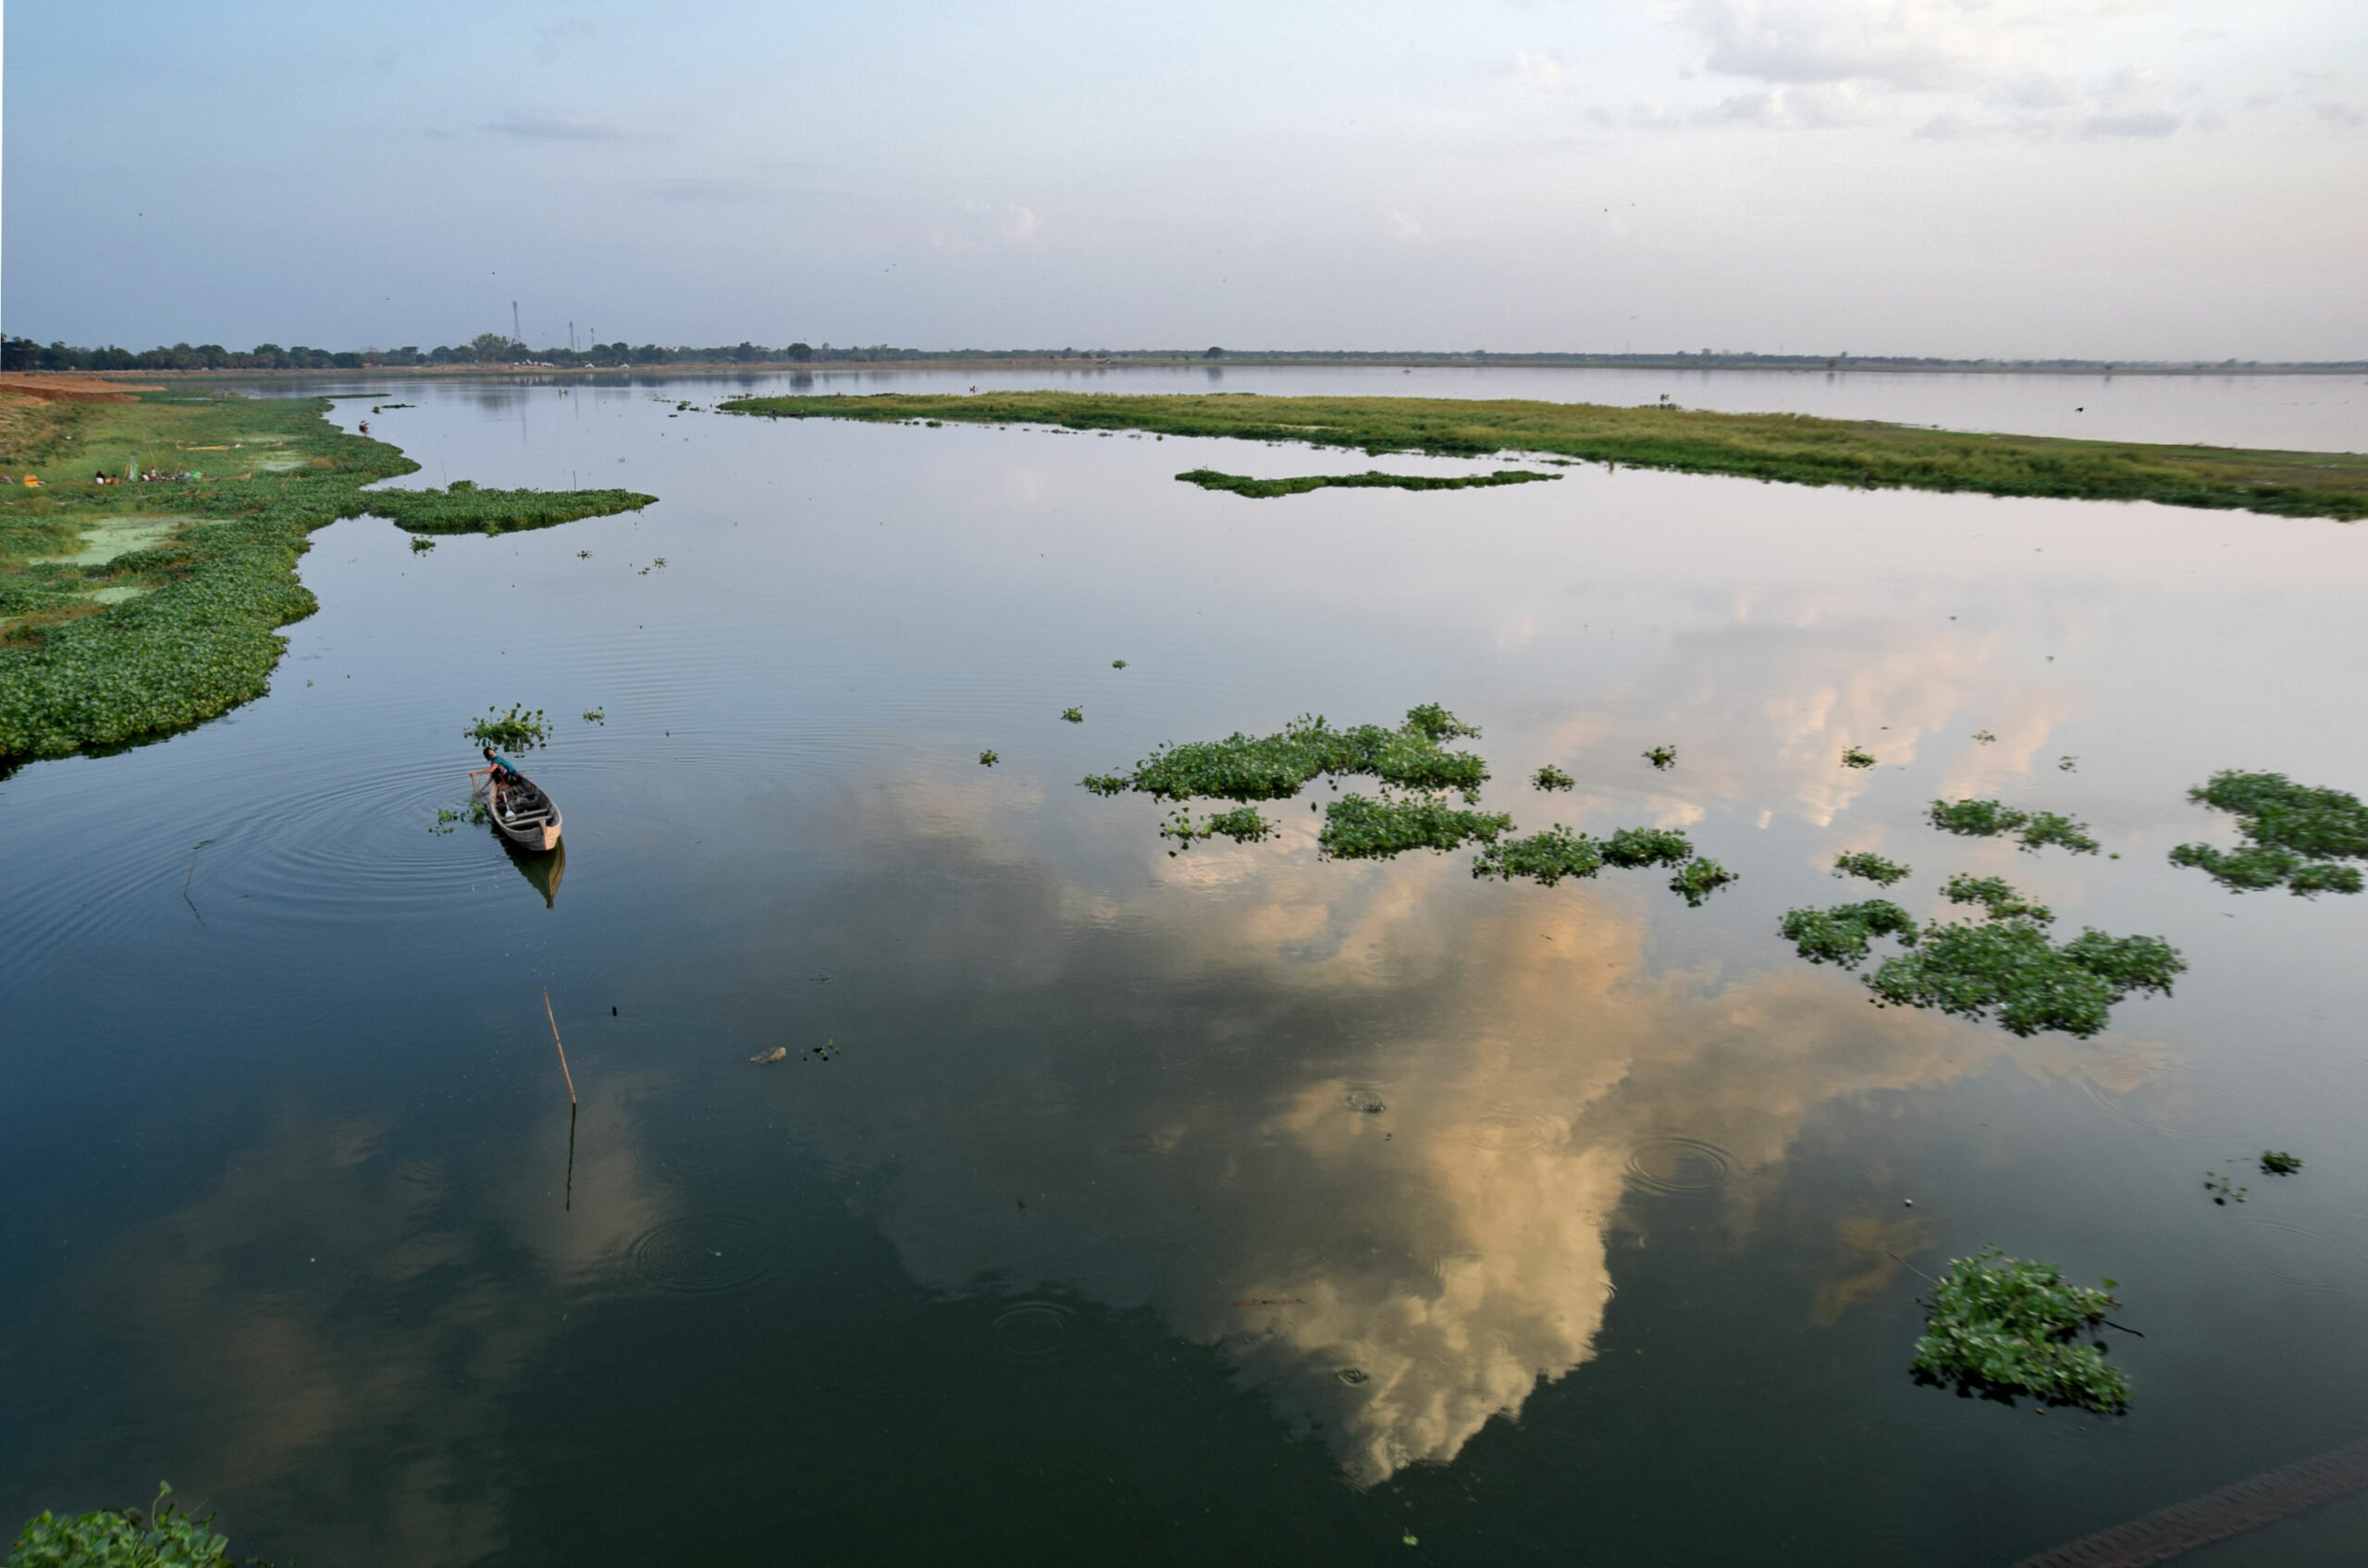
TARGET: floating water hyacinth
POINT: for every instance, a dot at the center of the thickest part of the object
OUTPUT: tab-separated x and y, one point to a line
2003	1327
2296	836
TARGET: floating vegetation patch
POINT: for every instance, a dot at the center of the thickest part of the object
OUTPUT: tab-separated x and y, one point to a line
1794	449
2276	1162
1663	757
1242	824
1073	715
421	544
195	631
2067	764
1983	738
2296	836
1277	767
988	758
1358	829
596	716
1552	777
2002	967
2224	1189
1699	878
1856	757
1992	819
1242	485
1118	663
1872	867
1548	856
2001	1327
518	730
109	1538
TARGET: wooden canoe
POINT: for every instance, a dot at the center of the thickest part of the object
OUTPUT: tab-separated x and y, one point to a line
524	814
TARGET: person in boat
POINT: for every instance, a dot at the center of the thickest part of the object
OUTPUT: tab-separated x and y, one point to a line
499	773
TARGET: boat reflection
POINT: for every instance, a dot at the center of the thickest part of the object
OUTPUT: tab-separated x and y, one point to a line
541	869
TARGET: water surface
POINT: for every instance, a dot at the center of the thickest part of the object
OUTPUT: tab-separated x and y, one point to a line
1146	1207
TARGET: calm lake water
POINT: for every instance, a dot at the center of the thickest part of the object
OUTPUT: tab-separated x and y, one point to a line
1233	1205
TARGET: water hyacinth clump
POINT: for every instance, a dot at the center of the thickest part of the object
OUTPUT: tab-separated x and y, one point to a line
1699	878
1552	777
1277	767
1548	856
1356	828
2000	1328
1662	758
2002	967
1242	824
1872	867
1993	818
2296	836
518	730
1856	757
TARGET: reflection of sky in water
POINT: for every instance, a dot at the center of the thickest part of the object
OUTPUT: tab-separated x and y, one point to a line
324	1251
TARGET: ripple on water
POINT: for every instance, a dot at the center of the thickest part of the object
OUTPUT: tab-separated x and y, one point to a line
706	1254
1032	1332
1677	1164
2298	1256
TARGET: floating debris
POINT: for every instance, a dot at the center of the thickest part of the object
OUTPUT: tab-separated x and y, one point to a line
1856	757
596	715
1999	1326
1983	738
766	1058
2224	1189
1073	715
2276	1162
989	758
1552	777
1663	757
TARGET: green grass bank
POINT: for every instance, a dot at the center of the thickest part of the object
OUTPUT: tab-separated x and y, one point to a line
132	610
1791	448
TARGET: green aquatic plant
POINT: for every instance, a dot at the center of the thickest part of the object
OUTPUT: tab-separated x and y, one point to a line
1548	857
1793	448
1997	895
2224	1189
122	1538
2006	967
518	730
1356	828
1845	934
1856	757
1118	663
1277	767
1242	824
1073	715
1662	758
1993	818
421	544
2000	1328
2276	1162
1872	867
1699	878
2067	764
2296	836
989	758
1983	738
1552	777
1242	485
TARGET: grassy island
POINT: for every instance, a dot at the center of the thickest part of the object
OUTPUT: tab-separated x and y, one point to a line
1794	449
136	608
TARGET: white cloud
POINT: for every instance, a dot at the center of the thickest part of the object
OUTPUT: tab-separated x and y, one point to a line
554	128
1816	108
1906	45
2345	116
1539	73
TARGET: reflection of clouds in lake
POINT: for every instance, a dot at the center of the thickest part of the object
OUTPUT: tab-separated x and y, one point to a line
1365	1127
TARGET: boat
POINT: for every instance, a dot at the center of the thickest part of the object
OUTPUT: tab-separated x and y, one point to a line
524	814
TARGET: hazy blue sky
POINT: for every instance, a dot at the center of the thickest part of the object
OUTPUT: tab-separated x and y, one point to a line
2105	178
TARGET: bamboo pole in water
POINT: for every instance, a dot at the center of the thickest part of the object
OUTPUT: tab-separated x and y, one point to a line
562	1049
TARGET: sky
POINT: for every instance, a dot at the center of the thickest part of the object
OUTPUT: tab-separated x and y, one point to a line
2100	178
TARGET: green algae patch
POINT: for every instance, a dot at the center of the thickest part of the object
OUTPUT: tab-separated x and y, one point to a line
1871	866
2033	830
2002	967
1791	448
2296	836
131	610
2002	1327
1372	479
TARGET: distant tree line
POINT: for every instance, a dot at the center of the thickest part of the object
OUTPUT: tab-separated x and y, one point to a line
495	348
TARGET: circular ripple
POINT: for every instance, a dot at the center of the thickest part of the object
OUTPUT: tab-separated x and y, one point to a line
2300	1256
1366	1101
709	1255
1677	1164
1507	1129
1033	1331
